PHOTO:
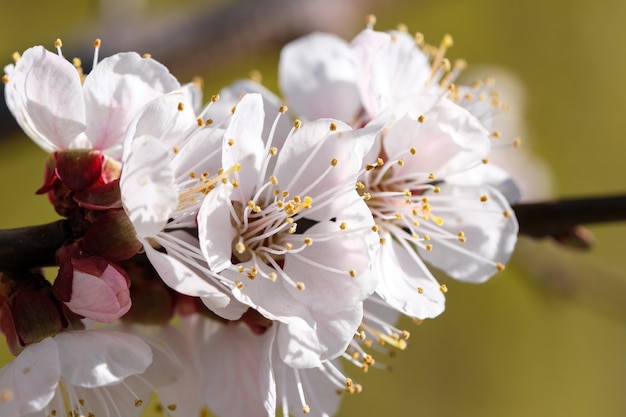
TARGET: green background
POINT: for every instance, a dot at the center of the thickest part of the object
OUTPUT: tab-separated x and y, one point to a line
547	337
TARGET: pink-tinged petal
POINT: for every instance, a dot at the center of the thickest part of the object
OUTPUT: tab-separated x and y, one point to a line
489	226
215	230
112	357
365	47
318	76
303	346
399	69
169	117
406	284
117	89
336	272
234	360
243	143
45	95
31	379
105	298
184	280
147	186
448	141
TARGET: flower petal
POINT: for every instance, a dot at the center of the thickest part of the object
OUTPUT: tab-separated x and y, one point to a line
147	186
489	226
45	95
95	358
117	89
318	75
31	379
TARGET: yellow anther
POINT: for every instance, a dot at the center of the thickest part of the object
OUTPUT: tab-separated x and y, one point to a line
172	407
273	151
208	122
181	106
300	285
238	284
272	276
484	198
375	228
240	247
343	226
484	161
198	81
380	162
517	143
282	109
288	246
256	76
427	237
506	213
401	162
334	162
382	240
230	142
241	269
352	272
77	62
405	335
58	43
147	56
138	402
420	290
443	288
214	98
413	151
421	118
438	221
429	247
398	216
367	196
200	122
425	200
308	241
371	20
500	266
176	149
447	41
5	79
431	176
274	180
297	123
6	395
306	409
419	38
496	134
333	126
233	109
360	185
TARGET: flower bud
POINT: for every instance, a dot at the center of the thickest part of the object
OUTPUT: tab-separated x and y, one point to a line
91	286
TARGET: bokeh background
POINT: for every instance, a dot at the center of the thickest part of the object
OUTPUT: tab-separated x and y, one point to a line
547	337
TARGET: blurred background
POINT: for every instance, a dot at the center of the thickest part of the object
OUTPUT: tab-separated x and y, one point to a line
546	337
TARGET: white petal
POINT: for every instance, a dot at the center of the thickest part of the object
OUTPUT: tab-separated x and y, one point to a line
401	274
449	140
45	95
303	346
491	236
31	379
247	149
184	280
324	268
318	76
147	186
234	359
215	231
95	358
116	89
320	393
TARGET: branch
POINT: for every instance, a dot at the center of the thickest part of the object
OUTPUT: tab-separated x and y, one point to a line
563	219
32	246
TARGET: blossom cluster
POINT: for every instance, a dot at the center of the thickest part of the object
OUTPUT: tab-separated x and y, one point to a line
237	255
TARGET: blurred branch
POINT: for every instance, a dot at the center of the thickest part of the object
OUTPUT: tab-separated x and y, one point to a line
563	219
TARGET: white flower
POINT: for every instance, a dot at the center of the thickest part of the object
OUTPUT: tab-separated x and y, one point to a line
59	110
293	242
168	155
87	373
